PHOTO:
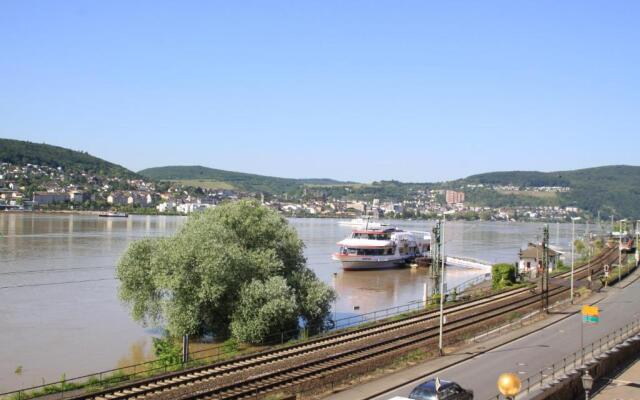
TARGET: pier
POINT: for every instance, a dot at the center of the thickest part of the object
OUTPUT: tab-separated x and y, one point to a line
467	262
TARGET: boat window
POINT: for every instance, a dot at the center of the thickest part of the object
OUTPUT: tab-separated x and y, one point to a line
370	236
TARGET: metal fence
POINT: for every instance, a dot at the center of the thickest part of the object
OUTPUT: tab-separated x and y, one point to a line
469	283
575	362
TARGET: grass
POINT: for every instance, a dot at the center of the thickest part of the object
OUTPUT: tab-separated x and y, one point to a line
91	384
206	184
527	193
616	271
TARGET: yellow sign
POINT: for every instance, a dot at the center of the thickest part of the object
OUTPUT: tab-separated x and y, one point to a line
590	311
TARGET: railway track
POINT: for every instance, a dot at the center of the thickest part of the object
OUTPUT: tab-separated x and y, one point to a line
359	346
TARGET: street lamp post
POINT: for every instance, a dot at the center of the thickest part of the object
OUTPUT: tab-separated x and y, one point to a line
587	384
573	245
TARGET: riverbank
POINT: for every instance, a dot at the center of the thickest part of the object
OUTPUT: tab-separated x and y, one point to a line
154	212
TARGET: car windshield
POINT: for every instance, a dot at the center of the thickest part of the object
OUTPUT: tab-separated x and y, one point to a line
422	394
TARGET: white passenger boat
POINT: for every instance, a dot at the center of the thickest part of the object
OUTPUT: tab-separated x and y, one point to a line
378	247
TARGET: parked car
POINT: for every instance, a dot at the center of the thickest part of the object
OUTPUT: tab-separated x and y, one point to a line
446	391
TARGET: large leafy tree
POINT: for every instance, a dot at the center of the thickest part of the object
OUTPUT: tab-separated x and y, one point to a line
216	267
263	309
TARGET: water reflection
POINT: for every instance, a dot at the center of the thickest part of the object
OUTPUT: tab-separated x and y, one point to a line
139	352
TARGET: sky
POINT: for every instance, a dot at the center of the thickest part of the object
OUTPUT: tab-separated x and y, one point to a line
353	90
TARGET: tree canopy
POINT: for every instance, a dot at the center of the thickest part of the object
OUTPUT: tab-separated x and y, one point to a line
228	269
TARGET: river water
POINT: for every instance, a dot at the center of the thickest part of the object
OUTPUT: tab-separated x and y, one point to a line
59	310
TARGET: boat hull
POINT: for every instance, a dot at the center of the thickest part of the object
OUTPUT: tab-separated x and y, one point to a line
350	263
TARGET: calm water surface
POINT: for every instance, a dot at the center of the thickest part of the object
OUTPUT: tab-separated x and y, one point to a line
50	326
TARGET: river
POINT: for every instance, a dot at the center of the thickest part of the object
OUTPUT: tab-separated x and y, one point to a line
59	310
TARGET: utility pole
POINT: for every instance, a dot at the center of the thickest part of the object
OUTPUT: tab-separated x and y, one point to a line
434	276
589	255
442	294
545	266
611	224
636	242
573	245
620	252
185	349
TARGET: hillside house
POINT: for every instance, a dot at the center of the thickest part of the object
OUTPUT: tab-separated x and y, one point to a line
117	199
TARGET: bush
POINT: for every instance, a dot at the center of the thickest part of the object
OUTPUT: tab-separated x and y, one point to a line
503	275
168	351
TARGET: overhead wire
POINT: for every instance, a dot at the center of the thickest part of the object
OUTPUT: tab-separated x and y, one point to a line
56	283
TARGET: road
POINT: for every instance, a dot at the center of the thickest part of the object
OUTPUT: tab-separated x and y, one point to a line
531	353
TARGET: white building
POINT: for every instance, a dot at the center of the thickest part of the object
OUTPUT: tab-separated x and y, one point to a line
188	208
166	206
531	260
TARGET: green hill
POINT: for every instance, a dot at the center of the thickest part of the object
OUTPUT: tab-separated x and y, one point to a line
613	189
21	152
221	179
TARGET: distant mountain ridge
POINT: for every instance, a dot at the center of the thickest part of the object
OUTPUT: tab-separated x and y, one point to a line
238	180
611	189
23	152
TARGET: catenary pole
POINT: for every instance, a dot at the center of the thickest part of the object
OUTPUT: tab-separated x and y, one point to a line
545	265
442	294
620	252
573	245
636	243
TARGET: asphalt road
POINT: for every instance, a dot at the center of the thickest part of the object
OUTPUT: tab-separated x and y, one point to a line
531	353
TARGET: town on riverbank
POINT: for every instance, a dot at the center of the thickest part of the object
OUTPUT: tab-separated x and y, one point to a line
32	187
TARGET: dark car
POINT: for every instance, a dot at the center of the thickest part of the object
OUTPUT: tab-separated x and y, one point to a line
447	391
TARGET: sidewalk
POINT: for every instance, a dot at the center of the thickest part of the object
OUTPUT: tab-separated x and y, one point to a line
624	386
397	379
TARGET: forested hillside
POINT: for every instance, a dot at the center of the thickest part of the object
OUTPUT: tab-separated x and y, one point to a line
232	180
611	189
20	152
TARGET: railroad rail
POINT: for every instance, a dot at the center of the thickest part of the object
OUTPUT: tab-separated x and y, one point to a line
234	379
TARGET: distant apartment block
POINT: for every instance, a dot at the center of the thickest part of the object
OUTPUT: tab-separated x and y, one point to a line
41	198
454	197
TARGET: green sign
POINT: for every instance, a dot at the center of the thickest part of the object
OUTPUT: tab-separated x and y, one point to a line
590	319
